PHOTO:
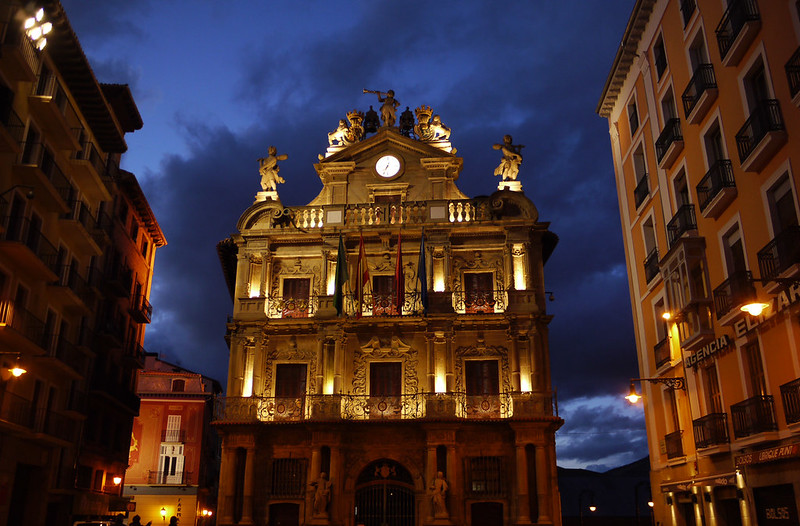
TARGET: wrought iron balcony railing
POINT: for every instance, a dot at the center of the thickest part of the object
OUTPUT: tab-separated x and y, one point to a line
780	254
69	277
754	415
734	291
669	135
687	10
702	80
178	478
37	154
767	117
641	191
683	221
80	212
21	229
291	307
661	351
89	152
24	322
674	444
790	395
67	353
141	309
11	121
711	430
793	73
417	406
651	265
739	12
718	177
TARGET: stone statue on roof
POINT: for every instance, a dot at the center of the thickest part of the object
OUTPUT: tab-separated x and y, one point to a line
268	168
389	106
512	158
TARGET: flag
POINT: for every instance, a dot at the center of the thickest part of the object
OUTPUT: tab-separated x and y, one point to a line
362	274
399	278
340	278
422	275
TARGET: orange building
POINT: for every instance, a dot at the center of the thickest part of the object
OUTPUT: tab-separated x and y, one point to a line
174	453
702	105
77	247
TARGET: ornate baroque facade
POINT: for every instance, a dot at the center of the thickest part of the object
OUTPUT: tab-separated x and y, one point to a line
348	418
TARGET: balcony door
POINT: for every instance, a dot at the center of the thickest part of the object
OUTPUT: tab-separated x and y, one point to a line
385	379
478	292
296	297
383	296
290	389
171	463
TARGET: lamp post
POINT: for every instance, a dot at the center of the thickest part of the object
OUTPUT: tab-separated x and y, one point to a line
163	514
673	382
592	507
636	497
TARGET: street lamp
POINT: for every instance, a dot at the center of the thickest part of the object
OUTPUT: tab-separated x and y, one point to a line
36	29
673	382
16	369
163	514
592	507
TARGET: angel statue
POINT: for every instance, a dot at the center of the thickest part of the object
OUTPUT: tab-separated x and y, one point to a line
268	168
512	158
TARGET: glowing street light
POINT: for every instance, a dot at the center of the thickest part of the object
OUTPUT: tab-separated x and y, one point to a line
633	397
117	480
17	370
36	29
754	309
672	382
163	514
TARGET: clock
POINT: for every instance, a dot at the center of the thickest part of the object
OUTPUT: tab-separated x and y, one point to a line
388	166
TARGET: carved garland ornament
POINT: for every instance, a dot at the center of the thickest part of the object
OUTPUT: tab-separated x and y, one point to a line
377	350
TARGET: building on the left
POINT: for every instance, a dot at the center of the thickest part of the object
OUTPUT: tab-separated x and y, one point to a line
77	247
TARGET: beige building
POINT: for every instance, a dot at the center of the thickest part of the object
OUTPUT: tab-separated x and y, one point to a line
77	244
424	397
702	105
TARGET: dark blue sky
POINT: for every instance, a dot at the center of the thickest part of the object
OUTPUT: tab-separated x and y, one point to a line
218	82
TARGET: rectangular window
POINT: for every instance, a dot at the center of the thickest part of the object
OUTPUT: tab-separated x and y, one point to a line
288	477
290	380
735	259
171	464
486	476
173	433
296	297
482	377
479	292
633	116
660	57
681	190
781	204
672	408
755	86
713	396
385	379
754	370
668	109
715	150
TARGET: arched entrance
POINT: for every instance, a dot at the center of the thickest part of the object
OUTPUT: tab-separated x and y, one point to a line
384	495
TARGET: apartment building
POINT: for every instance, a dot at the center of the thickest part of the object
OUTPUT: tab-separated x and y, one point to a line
702	105
77	242
389	343
174	453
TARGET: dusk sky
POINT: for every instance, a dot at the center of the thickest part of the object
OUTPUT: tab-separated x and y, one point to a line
217	82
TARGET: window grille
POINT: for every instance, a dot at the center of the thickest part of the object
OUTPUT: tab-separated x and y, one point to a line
288	477
486	478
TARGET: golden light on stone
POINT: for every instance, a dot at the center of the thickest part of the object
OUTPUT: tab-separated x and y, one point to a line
519	268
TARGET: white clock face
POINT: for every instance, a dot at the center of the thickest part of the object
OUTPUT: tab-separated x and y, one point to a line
388	166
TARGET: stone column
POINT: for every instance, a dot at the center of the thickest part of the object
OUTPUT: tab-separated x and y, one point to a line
226	485
523	505
242	277
508	268
249	473
266	273
513	337
336	476
320	376
236	368
543	484
450	362
338	360
430	473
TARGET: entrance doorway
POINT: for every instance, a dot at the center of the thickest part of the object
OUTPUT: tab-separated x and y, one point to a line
284	514
486	514
384	495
